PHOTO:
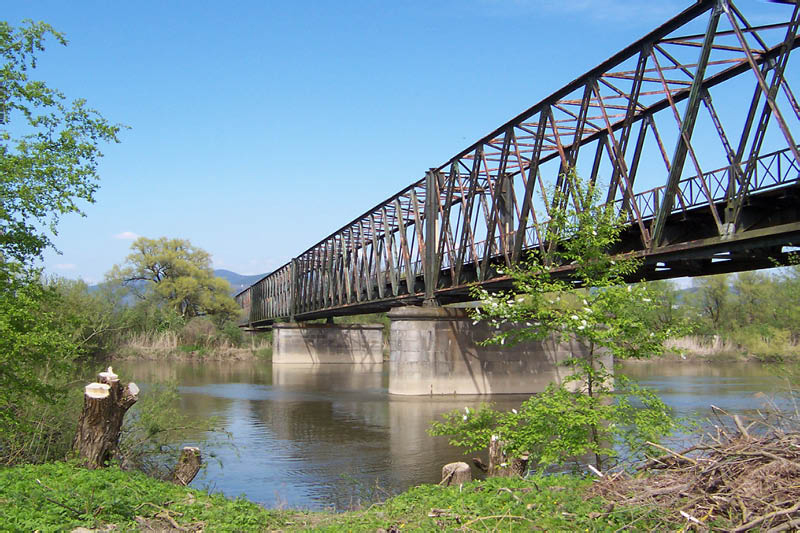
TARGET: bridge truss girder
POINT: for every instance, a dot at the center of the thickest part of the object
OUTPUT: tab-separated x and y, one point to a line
488	206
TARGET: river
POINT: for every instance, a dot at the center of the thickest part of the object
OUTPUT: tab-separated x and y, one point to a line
329	436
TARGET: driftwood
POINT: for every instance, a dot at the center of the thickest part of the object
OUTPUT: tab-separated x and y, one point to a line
478	462
455	474
188	465
500	465
105	403
739	480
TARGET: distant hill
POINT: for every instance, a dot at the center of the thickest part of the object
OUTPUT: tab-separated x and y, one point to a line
238	282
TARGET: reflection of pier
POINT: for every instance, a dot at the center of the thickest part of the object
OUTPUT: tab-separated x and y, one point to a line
325	377
339	420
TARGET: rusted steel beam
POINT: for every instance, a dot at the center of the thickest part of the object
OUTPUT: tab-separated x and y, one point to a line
687	128
430	249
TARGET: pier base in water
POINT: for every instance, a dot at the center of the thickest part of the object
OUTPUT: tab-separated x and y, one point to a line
436	350
327	343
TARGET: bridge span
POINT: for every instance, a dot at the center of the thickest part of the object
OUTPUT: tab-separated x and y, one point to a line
692	132
708	185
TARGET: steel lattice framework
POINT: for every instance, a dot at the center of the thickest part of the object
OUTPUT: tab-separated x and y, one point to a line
642	123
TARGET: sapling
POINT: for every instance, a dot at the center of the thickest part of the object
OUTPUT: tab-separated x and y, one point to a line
592	303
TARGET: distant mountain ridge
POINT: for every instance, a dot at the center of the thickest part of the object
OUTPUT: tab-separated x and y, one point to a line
239	282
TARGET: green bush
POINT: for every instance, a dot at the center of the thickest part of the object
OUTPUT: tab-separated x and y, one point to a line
232	333
58	497
155	431
198	332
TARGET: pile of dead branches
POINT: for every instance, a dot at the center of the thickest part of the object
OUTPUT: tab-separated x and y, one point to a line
733	480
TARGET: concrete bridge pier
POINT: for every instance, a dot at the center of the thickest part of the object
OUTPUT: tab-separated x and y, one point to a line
435	350
327	343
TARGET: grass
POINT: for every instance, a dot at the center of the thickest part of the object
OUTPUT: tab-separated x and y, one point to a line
736	347
169	345
63	496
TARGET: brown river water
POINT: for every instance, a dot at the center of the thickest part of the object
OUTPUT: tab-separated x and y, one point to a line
330	436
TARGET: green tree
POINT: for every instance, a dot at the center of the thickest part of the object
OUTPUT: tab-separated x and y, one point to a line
668	309
49	151
178	274
34	351
712	299
583	415
752	299
49	146
93	318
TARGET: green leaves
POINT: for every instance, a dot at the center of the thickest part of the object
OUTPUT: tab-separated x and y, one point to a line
49	151
470	428
49	147
34	351
576	292
177	274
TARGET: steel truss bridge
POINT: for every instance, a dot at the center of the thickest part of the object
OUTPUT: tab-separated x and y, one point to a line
706	185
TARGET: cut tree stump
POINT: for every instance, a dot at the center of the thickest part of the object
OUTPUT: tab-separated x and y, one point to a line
500	465
105	403
188	465
455	474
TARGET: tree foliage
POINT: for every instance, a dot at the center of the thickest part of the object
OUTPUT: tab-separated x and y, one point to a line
49	146
32	348
49	152
593	306
177	274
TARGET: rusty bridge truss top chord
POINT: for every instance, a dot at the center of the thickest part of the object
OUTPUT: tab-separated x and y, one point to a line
642	123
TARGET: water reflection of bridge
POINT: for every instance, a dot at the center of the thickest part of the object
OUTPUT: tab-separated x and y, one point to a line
642	123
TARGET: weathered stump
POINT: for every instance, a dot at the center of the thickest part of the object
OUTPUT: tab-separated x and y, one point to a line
104	405
188	465
456	474
500	465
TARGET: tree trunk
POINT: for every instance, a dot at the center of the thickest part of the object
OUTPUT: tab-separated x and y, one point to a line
455	474
502	466
188	465
104	405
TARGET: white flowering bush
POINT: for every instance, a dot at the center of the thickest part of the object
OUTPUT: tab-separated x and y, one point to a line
576	291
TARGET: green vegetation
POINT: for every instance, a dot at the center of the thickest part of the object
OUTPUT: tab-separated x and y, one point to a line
61	496
155	430
593	411
751	314
176	275
51	329
49	150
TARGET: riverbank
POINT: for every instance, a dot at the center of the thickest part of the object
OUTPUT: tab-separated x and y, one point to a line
63	497
172	346
740	481
715	349
169	345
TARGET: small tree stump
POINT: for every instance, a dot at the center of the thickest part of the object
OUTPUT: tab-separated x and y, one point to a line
104	405
456	474
500	465
188	465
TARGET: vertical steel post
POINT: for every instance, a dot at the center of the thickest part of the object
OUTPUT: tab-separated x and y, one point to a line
292	288
431	211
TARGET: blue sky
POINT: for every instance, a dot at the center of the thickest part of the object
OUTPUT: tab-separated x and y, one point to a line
257	128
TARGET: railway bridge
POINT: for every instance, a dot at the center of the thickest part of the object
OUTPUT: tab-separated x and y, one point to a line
692	131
